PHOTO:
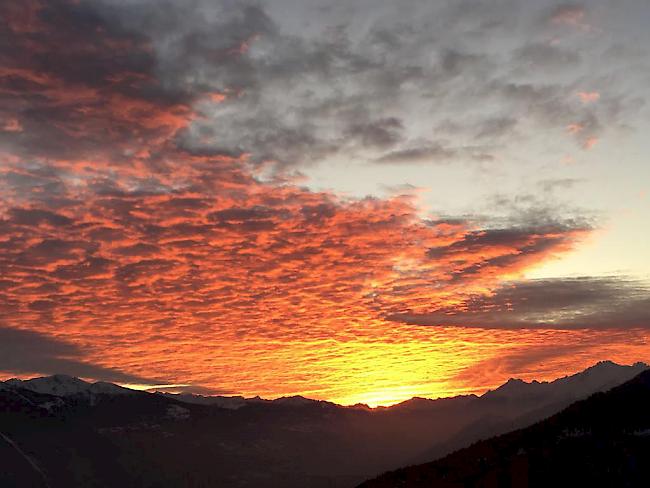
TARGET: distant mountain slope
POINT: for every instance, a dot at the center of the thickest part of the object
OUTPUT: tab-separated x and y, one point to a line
517	404
74	433
602	441
602	376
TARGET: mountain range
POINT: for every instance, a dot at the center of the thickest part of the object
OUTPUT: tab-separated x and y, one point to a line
61	431
603	441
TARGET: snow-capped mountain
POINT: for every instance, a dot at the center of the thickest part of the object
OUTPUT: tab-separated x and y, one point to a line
64	385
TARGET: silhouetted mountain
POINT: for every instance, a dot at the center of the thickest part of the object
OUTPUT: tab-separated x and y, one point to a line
603	441
517	404
60	431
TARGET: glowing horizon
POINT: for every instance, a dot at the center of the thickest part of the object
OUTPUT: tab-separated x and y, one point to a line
290	200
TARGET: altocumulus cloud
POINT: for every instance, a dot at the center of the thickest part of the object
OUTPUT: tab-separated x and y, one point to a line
133	216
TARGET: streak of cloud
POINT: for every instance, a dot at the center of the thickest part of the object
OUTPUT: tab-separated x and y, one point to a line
563	304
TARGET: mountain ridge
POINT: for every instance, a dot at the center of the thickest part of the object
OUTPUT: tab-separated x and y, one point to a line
603	440
61	384
87	435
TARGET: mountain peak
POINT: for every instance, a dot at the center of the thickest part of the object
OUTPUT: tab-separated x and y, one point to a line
295	401
65	385
600	377
511	387
610	369
611	365
515	381
605	364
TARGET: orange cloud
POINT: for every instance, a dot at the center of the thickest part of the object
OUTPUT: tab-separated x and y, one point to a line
185	283
589	143
12	125
217	97
570	15
567	159
574	128
588	97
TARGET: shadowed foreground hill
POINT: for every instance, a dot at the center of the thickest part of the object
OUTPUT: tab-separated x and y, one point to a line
602	441
98	436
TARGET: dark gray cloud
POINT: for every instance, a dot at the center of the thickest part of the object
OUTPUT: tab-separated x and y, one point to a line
420	65
554	184
135	69
27	352
569	13
566	304
436	153
380	133
34	217
419	154
366	86
495	127
545	56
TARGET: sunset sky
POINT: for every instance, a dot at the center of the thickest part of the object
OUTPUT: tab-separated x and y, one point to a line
358	201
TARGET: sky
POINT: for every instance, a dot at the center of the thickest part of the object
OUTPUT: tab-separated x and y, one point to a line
353	201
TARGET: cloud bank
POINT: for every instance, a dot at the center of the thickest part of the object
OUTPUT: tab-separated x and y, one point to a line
564	304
